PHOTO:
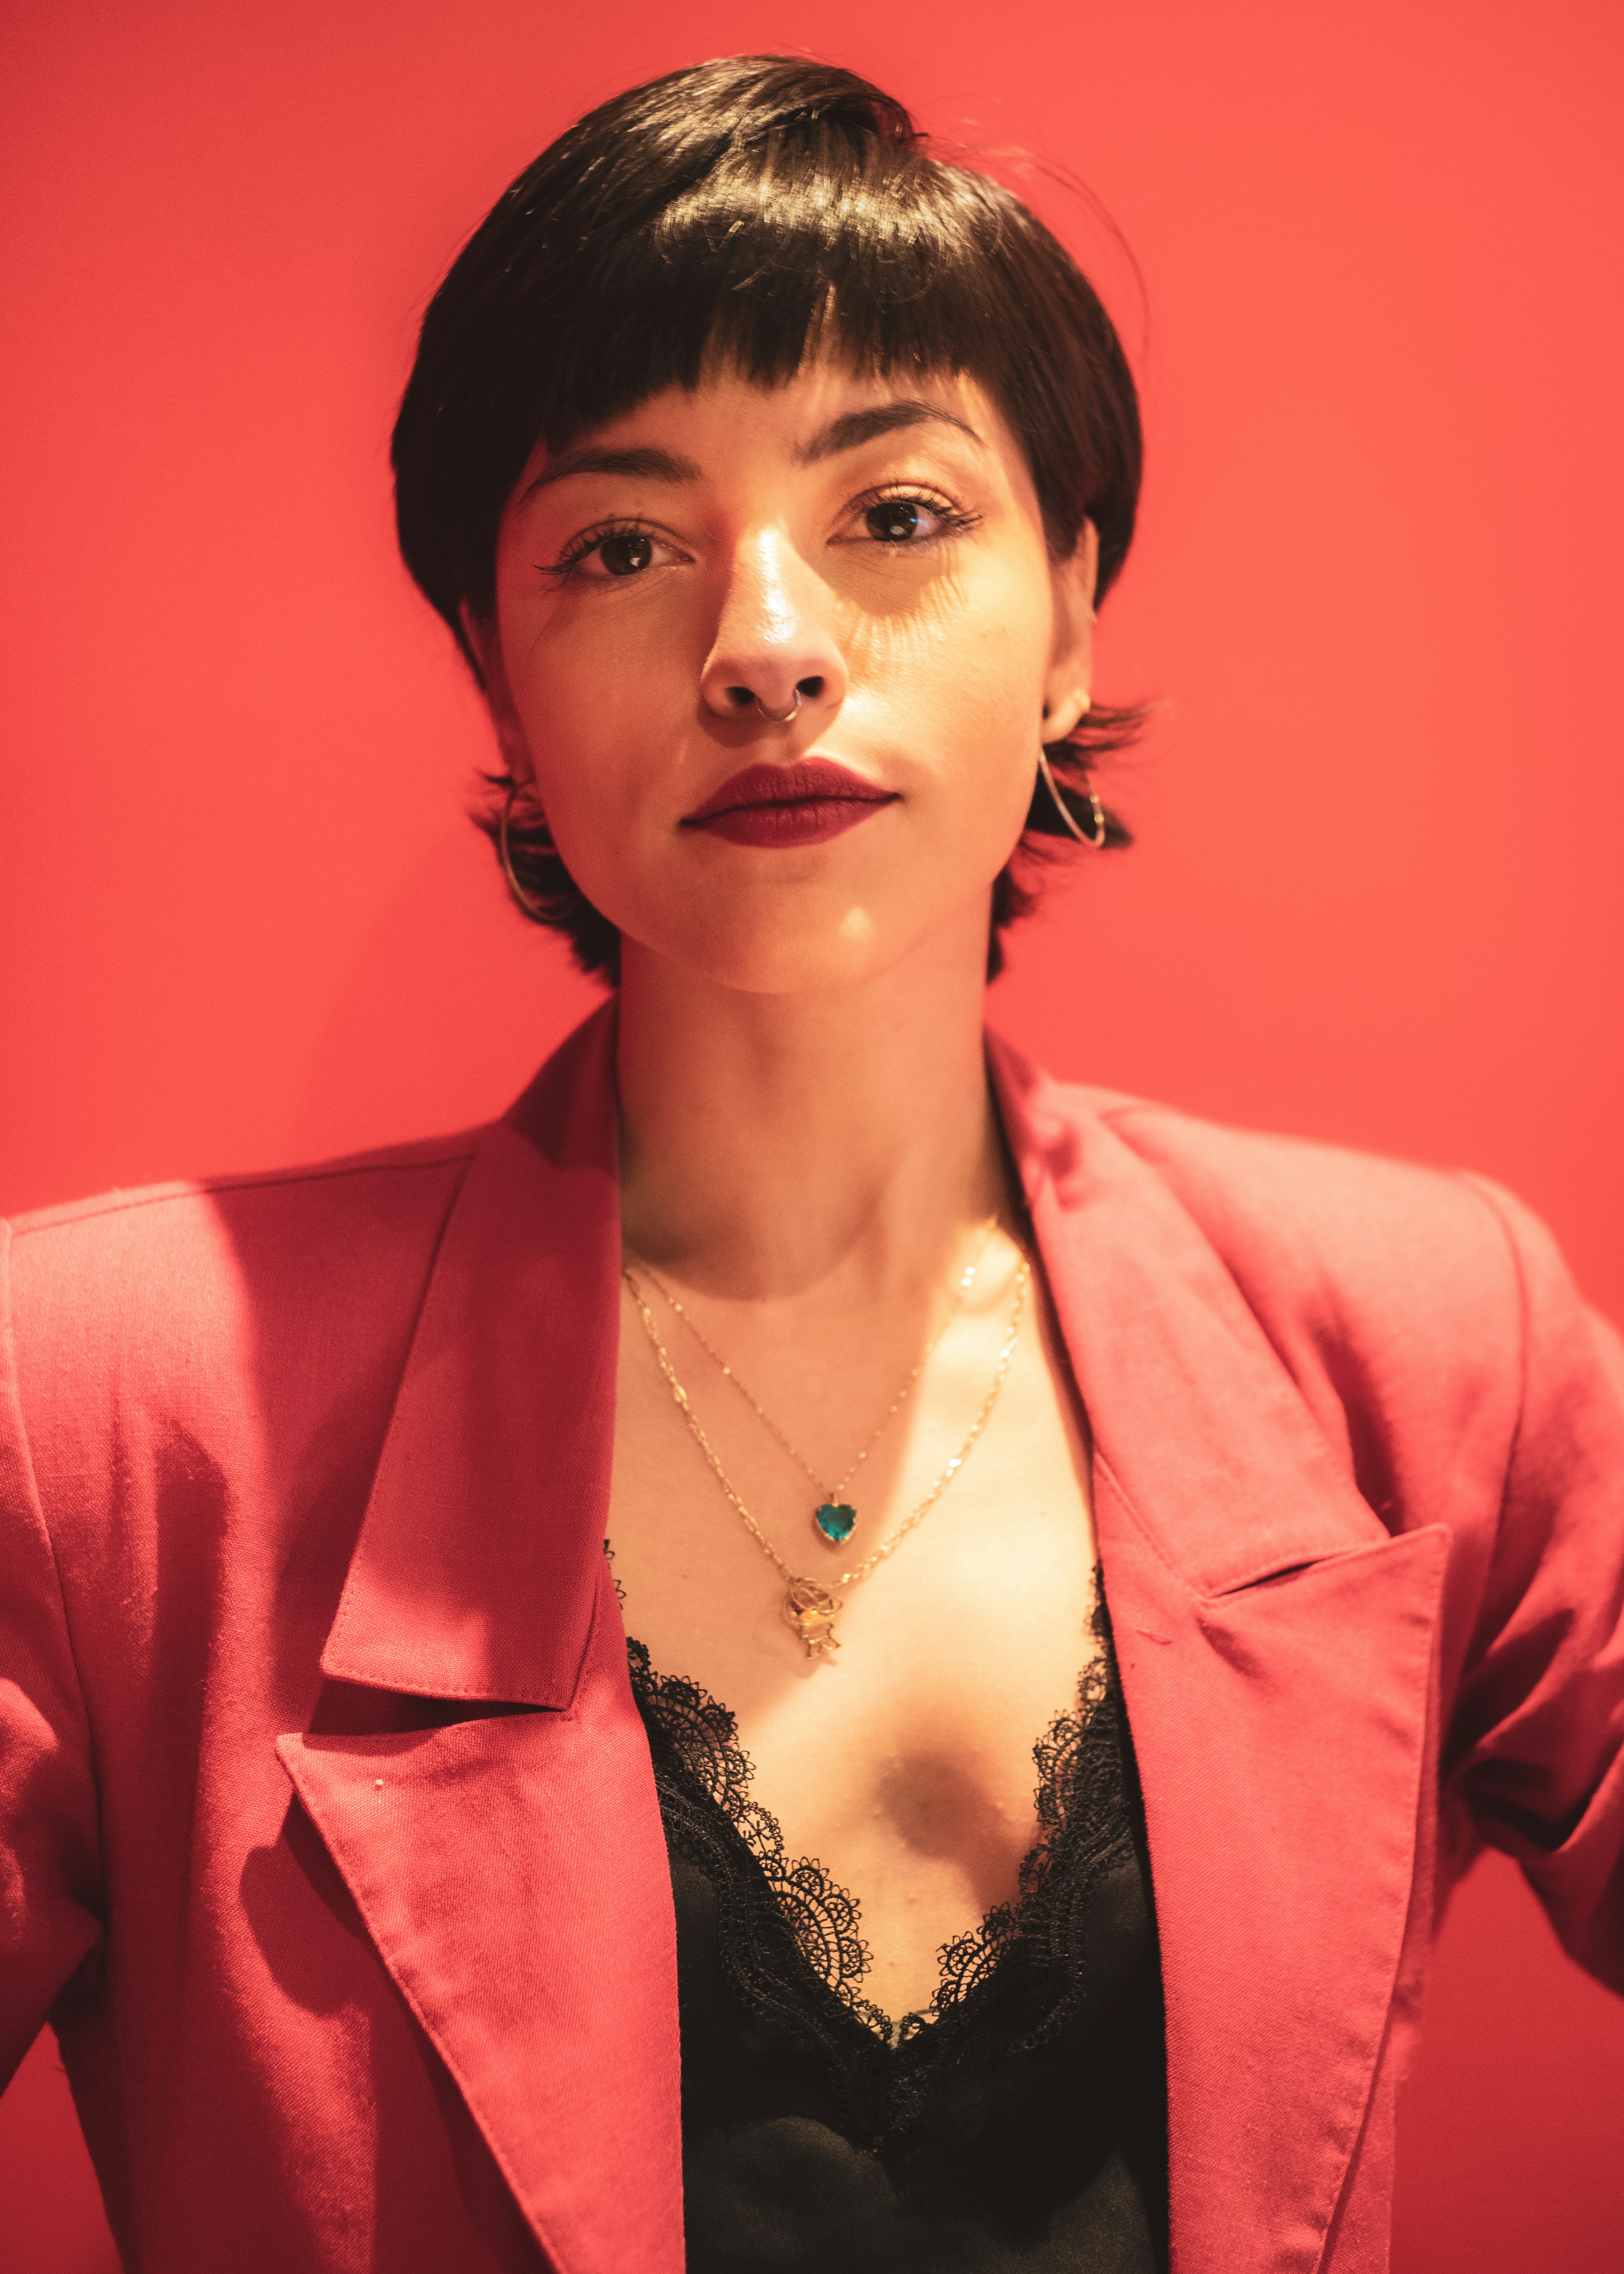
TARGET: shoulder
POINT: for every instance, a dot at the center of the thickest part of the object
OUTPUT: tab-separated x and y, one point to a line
1424	1316
317	1214
1345	1250
182	1280
1410	1304
397	1175
1327	1224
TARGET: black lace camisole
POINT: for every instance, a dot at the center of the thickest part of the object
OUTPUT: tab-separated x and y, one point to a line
1019	2123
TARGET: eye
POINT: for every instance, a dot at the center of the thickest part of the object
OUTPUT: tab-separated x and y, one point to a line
910	520
895	521
623	552
626	554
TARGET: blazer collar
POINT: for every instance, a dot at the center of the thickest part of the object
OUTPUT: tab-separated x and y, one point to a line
478	1560
474	1572
1206	1432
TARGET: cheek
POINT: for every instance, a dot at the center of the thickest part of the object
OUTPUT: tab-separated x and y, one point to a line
588	723
982	699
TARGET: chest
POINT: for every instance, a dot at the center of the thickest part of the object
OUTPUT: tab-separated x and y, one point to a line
904	1761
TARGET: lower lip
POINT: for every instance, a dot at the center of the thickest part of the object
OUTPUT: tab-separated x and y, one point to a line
807	821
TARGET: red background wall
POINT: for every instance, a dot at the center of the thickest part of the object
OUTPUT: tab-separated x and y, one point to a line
241	919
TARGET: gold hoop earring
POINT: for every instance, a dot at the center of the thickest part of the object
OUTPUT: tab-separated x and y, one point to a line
1098	840
525	902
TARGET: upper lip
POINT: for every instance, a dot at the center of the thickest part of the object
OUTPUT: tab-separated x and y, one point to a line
789	785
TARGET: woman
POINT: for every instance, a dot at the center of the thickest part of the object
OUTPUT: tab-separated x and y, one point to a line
394	1908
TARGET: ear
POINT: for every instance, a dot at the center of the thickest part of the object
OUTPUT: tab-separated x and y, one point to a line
1069	682
484	639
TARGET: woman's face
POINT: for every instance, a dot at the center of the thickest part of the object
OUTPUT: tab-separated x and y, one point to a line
873	547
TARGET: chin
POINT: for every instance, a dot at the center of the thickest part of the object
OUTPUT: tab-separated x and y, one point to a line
757	951
760	960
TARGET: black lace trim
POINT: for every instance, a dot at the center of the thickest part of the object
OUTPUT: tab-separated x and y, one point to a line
789	1935
704	1777
1024	1968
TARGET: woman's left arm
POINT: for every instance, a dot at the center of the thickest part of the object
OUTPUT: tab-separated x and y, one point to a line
1535	1747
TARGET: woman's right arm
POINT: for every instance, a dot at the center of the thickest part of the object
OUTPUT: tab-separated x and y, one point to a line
51	1892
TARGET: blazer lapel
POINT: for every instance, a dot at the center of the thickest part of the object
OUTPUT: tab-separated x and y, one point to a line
477	1567
1277	1648
511	1867
512	1874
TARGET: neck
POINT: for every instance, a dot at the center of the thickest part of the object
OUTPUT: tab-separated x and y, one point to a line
837	1139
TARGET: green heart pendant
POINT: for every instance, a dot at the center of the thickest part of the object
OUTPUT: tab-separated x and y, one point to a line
836	1520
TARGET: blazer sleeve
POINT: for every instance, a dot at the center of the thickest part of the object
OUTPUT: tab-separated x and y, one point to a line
49	1870
1535	1738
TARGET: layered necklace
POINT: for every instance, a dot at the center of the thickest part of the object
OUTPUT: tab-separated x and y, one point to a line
810	1607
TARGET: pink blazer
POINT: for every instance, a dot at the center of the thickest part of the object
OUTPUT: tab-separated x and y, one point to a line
328	1840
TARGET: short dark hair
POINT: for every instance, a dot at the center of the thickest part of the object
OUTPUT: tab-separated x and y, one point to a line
752	211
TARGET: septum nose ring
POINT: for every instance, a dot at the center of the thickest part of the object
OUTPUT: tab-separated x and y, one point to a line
779	717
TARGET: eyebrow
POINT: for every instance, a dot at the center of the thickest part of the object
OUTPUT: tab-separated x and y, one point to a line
860	426
645	465
847	434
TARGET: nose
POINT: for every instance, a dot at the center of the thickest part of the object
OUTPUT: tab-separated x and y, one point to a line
774	650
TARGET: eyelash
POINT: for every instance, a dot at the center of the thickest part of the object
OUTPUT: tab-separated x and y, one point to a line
576	551
953	518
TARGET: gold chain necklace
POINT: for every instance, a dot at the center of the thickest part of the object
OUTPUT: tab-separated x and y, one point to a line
834	1517
809	1606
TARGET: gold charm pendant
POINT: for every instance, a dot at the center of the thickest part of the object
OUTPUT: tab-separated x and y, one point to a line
812	1610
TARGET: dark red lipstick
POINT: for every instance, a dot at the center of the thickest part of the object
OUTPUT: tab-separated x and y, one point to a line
800	804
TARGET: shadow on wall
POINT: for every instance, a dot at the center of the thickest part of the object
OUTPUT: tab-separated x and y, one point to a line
52	2209
1508	2129
450	994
